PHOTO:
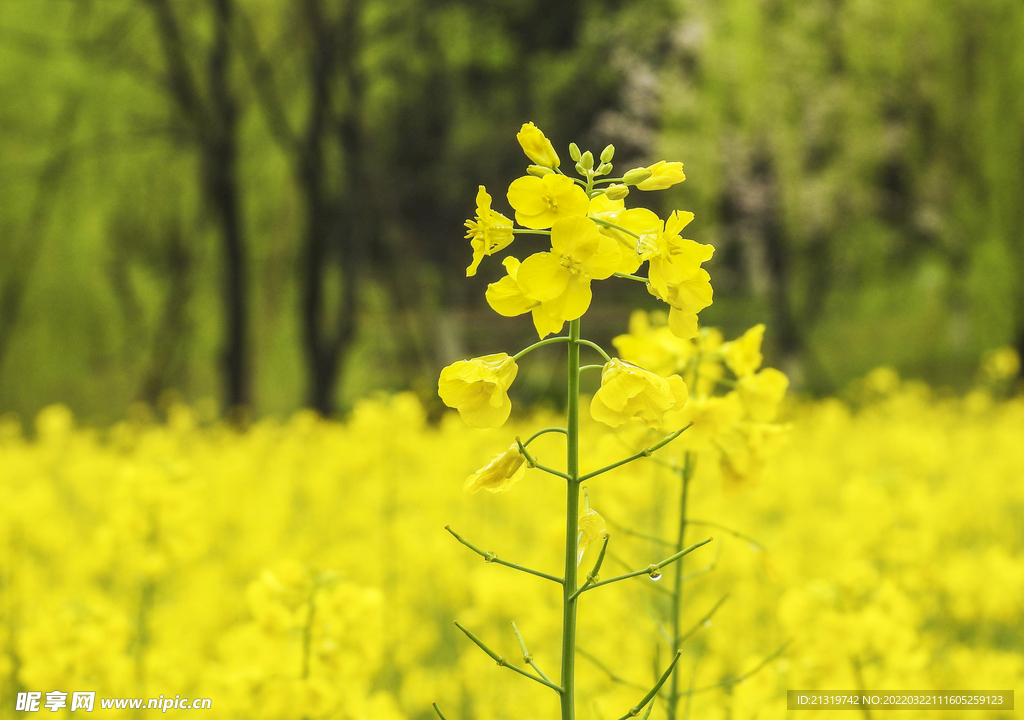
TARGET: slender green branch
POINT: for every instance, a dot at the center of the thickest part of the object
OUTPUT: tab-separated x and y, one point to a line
653	568
701	623
519	231
732	681
627	276
492	558
438	711
592	367
527	655
635	710
532	462
593	574
734	533
543	432
613	226
504	663
625	530
596	347
636	456
609	180
647	712
542	343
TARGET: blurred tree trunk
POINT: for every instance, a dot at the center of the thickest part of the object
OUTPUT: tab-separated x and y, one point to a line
213	125
326	156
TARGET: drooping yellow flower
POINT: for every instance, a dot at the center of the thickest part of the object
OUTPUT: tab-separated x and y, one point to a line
488	233
686	299
762	393
672	259
592	527
536	146
663	175
560	279
629	392
507	298
743	355
500	474
478	389
540	201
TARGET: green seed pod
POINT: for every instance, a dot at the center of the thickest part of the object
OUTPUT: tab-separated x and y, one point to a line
574	151
539	170
607	154
636	175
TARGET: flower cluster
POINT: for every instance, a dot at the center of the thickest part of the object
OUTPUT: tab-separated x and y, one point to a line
593	236
738	424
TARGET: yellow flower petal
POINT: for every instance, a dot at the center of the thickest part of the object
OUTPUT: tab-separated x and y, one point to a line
542	276
504	470
536	146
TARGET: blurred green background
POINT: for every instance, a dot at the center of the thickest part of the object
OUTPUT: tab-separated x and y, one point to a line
261	201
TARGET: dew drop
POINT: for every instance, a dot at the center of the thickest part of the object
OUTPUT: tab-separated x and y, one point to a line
655	576
707	623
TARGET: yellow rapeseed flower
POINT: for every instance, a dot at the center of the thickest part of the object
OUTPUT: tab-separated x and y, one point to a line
672	259
629	392
488	233
743	355
536	146
762	393
663	175
560	279
540	201
507	298
686	299
504	469
478	389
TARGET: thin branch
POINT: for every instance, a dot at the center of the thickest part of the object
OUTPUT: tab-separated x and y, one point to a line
646	452
636	278
504	663
701	623
593	574
735	533
527	655
654	568
438	711
492	558
611	676
596	347
544	432
744	676
635	710
531	461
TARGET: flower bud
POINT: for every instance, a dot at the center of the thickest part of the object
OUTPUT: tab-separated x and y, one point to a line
574	151
636	175
536	146
538	170
587	160
608	153
580	170
616	192
604	169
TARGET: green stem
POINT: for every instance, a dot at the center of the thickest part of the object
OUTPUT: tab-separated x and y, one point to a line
438	711
653	568
635	710
613	226
543	432
636	456
596	347
591	367
492	558
572	521
531	461
636	278
542	343
502	662
592	576
519	231
677	589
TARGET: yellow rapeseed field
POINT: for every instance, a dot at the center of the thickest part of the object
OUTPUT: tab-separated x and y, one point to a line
301	569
